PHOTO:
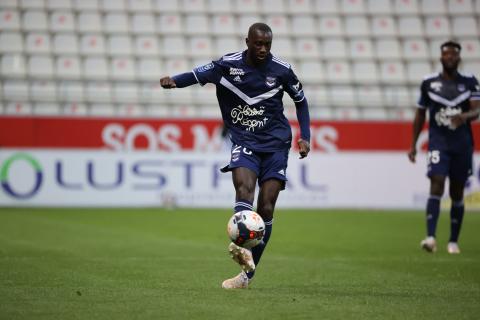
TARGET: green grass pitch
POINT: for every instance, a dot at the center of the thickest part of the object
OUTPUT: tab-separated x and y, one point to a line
161	264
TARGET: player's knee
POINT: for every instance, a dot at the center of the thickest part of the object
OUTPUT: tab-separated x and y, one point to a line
245	191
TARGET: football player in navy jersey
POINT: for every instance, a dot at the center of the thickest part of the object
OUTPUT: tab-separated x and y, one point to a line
249	87
453	101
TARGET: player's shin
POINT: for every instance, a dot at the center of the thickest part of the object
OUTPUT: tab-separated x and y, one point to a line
433	211
257	251
456	217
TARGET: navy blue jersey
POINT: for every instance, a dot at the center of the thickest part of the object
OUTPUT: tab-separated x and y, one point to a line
443	99
250	99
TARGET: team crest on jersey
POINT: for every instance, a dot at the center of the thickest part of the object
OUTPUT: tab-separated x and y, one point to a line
205	67
270	81
461	87
237	72
436	86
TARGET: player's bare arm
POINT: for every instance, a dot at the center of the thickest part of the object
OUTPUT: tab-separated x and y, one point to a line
167	83
303	148
417	128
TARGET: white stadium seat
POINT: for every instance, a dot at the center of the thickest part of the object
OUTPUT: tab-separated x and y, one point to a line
392	72
102	110
225	45
13	66
35	21
197	24
307	48
61	21
299	6
279	24
87	5
379	7
43	91
16	90
162	6
224	24
9	4
354	7
365	72
433	7
122	68
170	24
357	26
417	70
465	26
330	26
38	43
437	27
415	49
59	4
18	108
176	66
304	25
383	26
125	92
460	6
9	20
146	45
338	72
140	5
282	47
470	49
65	43
95	68
71	91
75	109
220	6
273	6
11	42
373	114
32	4
40	67
46	109
200	46
129	110
152	93
143	23
113	5
246	6
311	71
397	96
193	6
406	7
89	21
174	45
149	69
99	92
116	23
68	67
471	67
361	49
327	7
410	26
245	21
92	44
119	45
334	48
369	96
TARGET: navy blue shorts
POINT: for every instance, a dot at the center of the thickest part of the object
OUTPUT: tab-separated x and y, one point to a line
456	166
267	165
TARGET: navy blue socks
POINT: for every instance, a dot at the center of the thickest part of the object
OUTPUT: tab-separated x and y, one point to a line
456	217
257	251
433	211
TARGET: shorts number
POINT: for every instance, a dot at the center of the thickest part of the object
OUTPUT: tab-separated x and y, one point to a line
433	157
236	149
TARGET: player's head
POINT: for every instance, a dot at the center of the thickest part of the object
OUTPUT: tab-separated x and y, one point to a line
450	55
259	42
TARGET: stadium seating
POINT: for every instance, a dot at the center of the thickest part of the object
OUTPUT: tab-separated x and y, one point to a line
358	59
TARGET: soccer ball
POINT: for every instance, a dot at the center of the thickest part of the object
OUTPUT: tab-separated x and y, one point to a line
246	229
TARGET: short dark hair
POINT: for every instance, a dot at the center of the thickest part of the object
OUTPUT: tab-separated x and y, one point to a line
451	44
259	26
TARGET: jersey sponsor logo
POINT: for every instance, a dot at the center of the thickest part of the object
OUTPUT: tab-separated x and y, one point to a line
444	115
271	81
243	115
436	86
237	72
205	67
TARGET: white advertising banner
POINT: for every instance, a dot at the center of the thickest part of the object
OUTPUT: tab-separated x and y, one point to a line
32	177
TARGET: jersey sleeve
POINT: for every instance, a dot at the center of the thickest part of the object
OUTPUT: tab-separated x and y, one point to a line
475	90
423	98
293	86
207	73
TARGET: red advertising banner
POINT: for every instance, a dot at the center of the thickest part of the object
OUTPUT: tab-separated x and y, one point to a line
192	135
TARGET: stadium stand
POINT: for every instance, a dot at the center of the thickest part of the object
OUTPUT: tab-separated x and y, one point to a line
358	59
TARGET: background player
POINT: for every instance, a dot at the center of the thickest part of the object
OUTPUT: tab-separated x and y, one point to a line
250	87
453	101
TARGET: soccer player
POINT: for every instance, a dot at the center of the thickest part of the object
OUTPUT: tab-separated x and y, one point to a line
250	86
453	101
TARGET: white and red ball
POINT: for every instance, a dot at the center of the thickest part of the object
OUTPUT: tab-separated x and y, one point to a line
246	229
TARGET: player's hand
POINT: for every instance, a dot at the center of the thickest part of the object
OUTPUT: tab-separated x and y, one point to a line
303	148
457	120
167	83
412	154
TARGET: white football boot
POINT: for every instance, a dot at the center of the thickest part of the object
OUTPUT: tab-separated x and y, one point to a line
240	281
242	256
453	248
429	244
